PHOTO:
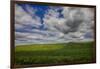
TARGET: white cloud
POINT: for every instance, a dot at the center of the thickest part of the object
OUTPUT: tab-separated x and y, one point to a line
75	24
23	18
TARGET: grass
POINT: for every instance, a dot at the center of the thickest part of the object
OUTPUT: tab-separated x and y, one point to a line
65	53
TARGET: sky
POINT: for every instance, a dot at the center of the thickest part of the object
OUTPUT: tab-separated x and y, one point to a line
53	24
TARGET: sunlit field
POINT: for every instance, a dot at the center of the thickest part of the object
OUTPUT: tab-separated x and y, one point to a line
63	53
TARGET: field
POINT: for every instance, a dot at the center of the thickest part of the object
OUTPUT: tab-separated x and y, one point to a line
52	54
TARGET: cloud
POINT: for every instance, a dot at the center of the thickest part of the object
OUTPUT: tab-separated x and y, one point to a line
24	19
76	21
62	24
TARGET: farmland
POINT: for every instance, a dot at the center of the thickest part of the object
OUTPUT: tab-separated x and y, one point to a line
63	53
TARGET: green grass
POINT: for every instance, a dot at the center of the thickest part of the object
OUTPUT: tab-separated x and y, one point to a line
65	53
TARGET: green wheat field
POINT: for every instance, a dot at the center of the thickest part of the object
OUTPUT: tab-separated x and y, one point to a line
62	53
